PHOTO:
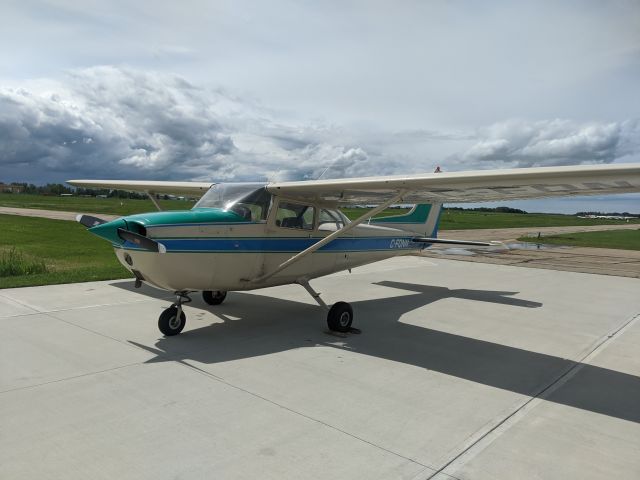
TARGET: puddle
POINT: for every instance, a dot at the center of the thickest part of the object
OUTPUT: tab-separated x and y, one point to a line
471	251
532	246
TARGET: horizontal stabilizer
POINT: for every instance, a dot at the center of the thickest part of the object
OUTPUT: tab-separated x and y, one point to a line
454	242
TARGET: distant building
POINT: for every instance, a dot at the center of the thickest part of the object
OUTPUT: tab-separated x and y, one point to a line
8	188
608	217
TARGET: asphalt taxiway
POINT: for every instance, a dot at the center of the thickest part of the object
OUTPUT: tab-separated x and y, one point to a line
462	370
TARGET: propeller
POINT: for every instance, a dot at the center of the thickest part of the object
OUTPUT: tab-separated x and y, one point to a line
141	241
89	221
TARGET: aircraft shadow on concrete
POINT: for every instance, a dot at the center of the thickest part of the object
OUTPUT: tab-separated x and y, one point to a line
255	325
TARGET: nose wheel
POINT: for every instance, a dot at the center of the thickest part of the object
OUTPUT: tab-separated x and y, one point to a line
173	319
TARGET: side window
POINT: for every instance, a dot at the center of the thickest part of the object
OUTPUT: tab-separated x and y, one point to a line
330	220
295	215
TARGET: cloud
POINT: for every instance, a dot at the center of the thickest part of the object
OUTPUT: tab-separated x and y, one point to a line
553	142
113	122
108	121
125	123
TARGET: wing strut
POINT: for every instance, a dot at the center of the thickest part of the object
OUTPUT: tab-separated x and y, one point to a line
332	236
153	200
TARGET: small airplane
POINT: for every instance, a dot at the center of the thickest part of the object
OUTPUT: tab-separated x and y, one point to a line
245	236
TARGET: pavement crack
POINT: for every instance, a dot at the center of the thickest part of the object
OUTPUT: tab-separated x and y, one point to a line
59	380
303	415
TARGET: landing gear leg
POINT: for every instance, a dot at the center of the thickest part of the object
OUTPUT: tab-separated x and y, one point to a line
173	319
339	316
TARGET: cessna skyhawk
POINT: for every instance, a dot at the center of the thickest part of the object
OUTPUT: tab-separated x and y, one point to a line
244	236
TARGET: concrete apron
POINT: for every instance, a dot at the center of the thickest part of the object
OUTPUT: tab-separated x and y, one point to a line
462	369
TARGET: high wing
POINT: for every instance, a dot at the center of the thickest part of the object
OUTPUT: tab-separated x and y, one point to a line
470	186
194	189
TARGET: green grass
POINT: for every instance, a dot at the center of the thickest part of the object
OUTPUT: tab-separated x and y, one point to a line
68	252
14	264
465	220
620	239
114	206
450	219
38	251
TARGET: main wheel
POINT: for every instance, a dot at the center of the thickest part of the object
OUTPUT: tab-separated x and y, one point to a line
340	317
214	297
169	323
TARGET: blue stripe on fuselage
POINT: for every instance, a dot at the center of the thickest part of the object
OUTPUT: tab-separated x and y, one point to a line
258	244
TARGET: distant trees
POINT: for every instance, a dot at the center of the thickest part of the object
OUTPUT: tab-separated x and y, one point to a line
487	209
58	189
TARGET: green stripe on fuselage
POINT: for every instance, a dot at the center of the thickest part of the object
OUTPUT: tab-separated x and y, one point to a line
418	214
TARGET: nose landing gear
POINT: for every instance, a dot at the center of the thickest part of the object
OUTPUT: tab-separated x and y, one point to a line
173	319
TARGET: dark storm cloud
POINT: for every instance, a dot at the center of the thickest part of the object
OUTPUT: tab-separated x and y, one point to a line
125	123
114	122
109	122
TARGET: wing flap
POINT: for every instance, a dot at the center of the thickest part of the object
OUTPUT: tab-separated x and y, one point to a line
195	189
471	186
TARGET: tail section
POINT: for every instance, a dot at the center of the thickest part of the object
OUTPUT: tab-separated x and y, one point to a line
422	219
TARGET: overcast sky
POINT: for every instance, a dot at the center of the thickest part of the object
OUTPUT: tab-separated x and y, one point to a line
223	91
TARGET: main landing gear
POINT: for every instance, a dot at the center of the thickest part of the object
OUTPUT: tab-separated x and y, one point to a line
173	319
339	316
214	297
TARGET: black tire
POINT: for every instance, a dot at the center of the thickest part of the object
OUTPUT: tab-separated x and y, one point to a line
168	324
214	297
340	317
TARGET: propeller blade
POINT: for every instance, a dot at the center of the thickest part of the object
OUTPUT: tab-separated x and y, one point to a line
141	241
89	221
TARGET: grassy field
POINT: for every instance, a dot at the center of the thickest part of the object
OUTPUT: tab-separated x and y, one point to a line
114	206
620	239
68	251
450	219
39	251
464	220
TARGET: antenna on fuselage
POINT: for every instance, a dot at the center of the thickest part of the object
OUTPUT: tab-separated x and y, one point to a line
324	171
328	167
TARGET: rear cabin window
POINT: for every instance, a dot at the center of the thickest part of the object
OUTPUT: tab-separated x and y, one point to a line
295	215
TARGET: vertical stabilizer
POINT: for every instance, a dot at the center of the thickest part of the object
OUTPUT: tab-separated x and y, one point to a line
422	219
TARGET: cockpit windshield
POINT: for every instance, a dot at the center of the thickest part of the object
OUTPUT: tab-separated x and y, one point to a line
249	200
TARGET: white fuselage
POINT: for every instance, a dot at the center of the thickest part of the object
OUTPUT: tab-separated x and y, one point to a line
228	257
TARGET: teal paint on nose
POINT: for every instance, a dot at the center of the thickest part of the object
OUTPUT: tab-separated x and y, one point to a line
109	230
176	217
